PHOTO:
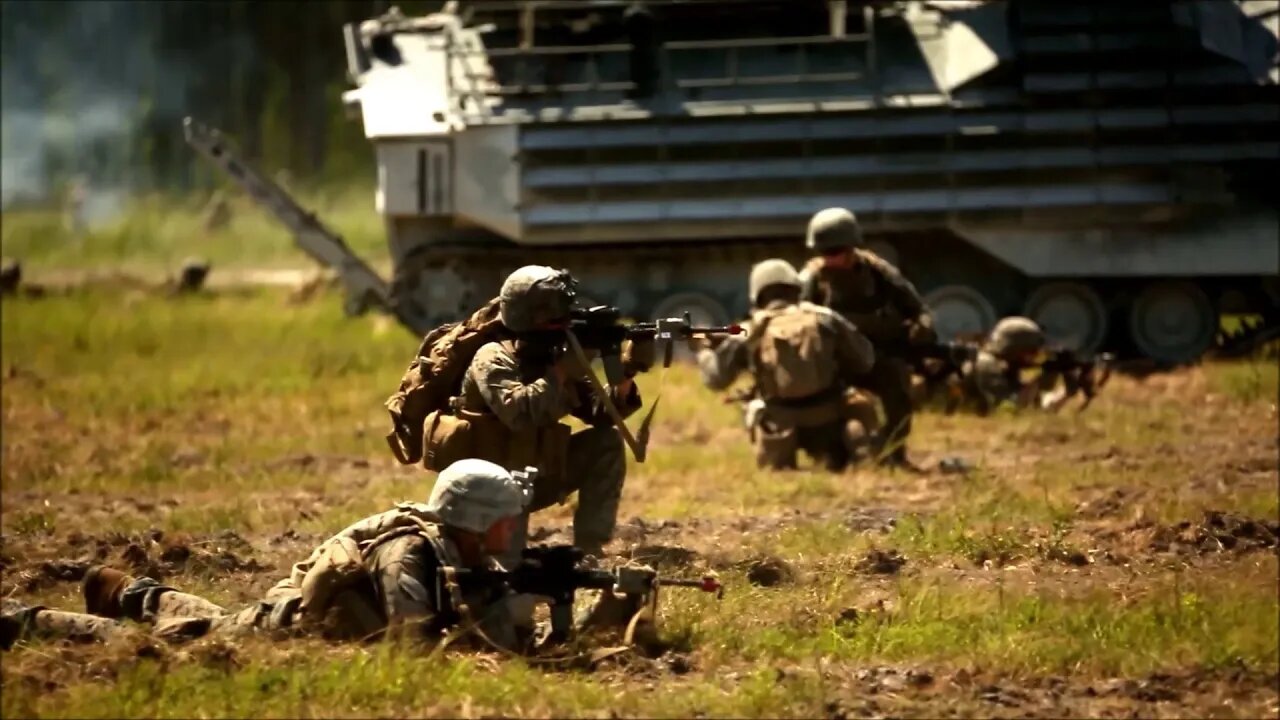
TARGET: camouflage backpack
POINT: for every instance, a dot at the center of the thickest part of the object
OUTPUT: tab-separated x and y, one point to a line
434	376
792	357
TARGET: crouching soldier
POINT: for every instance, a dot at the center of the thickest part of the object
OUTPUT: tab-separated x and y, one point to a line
517	390
994	377
803	358
379	577
873	295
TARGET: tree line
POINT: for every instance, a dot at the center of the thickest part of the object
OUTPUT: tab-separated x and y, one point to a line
269	74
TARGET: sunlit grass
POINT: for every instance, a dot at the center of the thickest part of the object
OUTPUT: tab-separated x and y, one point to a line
153	234
241	412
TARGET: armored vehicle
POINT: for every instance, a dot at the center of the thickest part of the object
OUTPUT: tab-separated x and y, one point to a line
1105	168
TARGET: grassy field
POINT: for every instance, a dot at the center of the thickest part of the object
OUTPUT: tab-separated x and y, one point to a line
1117	562
151	236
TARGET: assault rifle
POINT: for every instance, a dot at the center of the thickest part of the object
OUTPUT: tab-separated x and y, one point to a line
600	328
938	363
555	571
1081	373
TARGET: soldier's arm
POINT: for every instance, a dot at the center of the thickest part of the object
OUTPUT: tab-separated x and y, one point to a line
403	571
854	352
517	404
903	295
721	365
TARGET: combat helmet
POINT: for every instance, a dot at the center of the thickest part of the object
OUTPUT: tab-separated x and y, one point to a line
773	271
832	229
533	295
1015	334
473	494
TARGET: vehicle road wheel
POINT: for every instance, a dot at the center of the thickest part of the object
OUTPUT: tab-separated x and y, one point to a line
1173	322
1071	315
443	293
960	310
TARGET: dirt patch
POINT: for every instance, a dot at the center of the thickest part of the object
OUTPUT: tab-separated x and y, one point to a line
660	556
320	463
65	570
880	520
638	530
883	690
770	571
880	562
1216	532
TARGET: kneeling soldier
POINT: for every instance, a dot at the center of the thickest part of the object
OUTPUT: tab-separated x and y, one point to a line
804	359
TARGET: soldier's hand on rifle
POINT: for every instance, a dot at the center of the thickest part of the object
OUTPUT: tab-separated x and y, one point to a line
638	355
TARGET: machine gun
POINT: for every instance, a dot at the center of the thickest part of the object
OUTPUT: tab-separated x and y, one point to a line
1081	373
555	571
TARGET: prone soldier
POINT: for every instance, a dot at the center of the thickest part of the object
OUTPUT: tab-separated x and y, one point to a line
1017	344
994	376
378	577
881	303
803	358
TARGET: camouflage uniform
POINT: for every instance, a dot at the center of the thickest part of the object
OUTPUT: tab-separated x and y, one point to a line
524	395
873	295
826	423
995	375
379	576
514	382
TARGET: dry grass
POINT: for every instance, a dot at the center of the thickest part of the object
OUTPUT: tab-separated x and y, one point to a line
1113	562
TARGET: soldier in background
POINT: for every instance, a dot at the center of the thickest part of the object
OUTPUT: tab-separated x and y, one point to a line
994	377
881	304
804	359
377	577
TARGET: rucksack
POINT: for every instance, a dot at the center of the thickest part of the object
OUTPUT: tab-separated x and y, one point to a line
793	357
434	376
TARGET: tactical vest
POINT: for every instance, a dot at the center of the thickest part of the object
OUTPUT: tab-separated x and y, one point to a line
339	562
469	429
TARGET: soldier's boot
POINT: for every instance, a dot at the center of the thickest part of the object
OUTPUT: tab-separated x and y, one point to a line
102	588
111	593
857	441
776	449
